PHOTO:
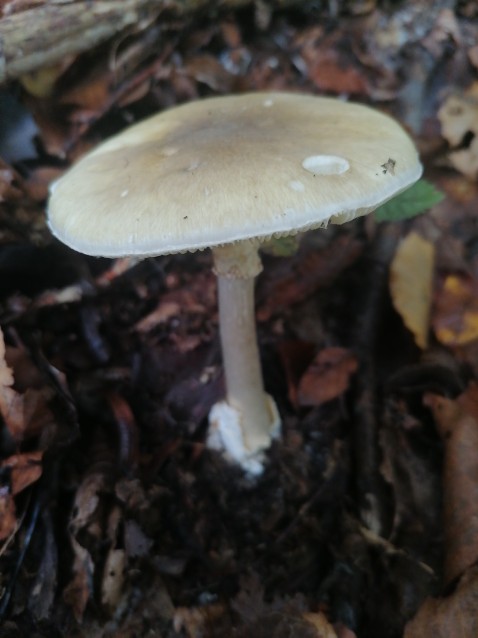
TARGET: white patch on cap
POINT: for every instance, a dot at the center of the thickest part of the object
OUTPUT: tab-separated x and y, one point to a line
124	193
268	103
297	185
325	165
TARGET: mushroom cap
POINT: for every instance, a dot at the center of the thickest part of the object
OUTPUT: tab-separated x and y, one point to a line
226	169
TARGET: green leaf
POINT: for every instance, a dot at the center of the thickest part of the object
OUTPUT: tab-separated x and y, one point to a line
283	246
415	200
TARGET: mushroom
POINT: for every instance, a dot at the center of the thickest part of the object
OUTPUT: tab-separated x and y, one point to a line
229	173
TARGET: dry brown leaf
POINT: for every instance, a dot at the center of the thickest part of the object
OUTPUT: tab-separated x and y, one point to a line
87	518
193	297
411	279
25	469
11	402
331	73
136	542
295	357
331	66
457	423
9	183
320	623
327	377
118	267
25	413
300	276
455	317
458	117
192	621
161	314
343	632
473	55
113	578
78	591
37	183
451	617
446	29
208	70
466	160
8	519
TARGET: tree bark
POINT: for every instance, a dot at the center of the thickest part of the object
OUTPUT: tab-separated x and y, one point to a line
43	35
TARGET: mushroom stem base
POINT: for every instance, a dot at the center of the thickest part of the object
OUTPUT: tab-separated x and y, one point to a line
226	434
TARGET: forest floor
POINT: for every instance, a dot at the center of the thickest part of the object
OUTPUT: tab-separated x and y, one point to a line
115	519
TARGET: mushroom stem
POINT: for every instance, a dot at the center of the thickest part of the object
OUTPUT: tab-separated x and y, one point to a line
236	267
244	384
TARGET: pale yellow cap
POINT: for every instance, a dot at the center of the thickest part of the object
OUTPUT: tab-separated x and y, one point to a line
226	169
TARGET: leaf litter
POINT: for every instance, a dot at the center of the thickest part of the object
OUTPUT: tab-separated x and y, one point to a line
115	518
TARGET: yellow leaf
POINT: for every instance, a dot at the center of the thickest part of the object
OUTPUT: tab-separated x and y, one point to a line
411	277
455	318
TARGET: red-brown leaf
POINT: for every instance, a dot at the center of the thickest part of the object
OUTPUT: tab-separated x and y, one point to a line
327	377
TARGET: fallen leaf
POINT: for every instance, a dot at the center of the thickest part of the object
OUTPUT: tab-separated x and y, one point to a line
80	588
300	276
192	297
445	30
39	179
458	117
207	70
411	279
451	616
86	523
327	377
295	357
409	474
455	316
473	55
321	624
25	469
343	632
11	402
113	578
135	540
457	423
282	246
161	314
231	34
9	183
466	160
332	72
193	621
25	414
8	519
330	65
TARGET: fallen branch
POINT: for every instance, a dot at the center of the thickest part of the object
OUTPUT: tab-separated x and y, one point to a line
45	35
